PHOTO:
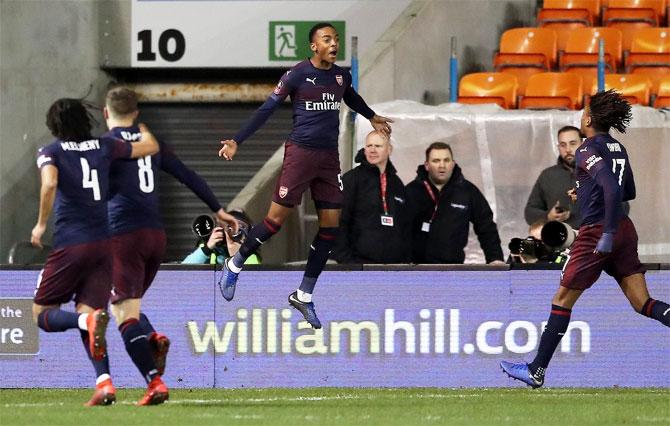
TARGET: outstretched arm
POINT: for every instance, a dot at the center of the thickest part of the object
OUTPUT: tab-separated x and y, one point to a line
193	181
257	120
284	88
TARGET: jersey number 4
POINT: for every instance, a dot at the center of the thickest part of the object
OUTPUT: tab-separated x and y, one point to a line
89	179
621	162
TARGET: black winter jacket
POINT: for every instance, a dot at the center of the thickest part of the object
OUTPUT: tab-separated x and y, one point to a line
459	203
362	238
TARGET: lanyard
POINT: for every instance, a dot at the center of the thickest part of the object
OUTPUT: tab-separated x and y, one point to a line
382	179
432	197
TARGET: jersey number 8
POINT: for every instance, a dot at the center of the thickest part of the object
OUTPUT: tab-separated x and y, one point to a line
145	174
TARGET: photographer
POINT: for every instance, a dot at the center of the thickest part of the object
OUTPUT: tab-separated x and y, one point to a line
215	245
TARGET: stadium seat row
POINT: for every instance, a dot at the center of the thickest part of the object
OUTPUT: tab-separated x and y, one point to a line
564	16
528	51
554	90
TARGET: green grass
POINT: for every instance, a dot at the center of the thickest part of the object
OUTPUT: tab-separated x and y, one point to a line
344	406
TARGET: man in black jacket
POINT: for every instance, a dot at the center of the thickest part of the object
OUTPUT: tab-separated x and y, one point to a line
374	226
443	204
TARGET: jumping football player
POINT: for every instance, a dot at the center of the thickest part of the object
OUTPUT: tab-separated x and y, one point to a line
311	160
75	177
607	240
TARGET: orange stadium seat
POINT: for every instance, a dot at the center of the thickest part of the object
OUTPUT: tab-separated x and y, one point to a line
553	90
635	88
582	48
488	87
581	53
663	97
526	51
564	16
648	13
650	54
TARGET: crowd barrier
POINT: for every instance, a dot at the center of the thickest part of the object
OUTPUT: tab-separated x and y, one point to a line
383	327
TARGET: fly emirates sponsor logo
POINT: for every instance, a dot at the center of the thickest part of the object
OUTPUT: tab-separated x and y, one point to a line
431	331
327	103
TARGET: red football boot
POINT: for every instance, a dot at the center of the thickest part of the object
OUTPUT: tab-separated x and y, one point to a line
104	394
97	326
157	393
160	345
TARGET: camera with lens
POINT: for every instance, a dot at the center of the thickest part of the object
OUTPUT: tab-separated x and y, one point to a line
204	225
531	247
557	237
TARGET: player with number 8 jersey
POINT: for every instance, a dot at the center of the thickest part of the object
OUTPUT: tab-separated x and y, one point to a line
138	238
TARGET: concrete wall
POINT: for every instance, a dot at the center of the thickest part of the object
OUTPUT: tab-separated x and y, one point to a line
48	50
411	60
51	49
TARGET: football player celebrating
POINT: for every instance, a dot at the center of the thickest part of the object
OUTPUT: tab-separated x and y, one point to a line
607	240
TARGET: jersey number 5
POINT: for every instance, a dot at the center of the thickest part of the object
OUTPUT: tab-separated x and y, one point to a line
145	174
622	163
89	179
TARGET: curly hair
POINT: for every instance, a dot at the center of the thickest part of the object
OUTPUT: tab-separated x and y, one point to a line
609	109
68	119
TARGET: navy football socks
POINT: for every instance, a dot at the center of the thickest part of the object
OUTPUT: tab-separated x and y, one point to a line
318	256
552	335
54	320
102	366
137	345
655	309
259	234
146	325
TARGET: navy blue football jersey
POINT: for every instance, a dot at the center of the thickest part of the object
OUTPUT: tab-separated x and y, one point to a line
316	95
83	186
134	186
604	180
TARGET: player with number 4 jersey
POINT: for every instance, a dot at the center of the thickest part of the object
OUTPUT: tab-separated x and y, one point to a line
607	240
75	178
138	238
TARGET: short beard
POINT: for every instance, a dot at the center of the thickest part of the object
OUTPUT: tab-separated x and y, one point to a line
570	163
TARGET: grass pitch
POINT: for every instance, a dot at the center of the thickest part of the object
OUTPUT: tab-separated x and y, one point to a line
344	406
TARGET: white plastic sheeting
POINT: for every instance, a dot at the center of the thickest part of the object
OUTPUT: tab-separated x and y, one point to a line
503	152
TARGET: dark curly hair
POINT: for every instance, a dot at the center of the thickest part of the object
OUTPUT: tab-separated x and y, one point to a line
69	120
609	109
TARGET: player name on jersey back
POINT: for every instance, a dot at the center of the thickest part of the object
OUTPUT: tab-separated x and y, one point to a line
88	145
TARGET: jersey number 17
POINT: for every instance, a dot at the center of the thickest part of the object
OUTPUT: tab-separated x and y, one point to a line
622	163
